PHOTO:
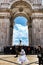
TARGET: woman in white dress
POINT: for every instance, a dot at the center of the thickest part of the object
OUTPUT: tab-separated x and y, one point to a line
22	59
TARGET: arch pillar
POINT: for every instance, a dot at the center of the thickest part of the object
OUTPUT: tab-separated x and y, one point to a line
4	29
30	32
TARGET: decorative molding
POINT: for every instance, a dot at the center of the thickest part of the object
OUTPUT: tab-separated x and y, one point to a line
5	10
37	15
37	11
5	15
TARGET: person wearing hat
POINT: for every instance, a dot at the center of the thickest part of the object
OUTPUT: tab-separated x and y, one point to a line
22	59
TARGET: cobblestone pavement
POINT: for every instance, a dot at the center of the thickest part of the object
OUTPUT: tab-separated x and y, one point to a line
11	60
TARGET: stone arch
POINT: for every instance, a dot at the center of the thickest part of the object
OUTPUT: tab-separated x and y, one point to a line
26	3
21	8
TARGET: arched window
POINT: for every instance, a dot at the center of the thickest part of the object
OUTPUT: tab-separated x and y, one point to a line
20	31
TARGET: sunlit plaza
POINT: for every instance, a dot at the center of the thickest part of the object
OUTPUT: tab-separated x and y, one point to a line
11	60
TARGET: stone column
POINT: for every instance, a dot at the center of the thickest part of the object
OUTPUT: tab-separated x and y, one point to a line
11	32
30	32
7	31
4	30
37	29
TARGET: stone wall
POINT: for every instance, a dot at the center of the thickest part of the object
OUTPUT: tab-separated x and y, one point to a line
37	32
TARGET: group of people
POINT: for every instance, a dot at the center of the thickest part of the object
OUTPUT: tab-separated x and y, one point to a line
22	59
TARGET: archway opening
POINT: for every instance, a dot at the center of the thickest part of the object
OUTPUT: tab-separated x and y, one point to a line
20	31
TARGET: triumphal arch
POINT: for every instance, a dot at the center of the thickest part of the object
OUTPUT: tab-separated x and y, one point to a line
32	10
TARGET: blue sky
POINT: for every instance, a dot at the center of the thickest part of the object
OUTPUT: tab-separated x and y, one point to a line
20	31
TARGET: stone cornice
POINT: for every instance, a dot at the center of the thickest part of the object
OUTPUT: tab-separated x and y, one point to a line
37	15
4	15
37	11
5	10
9	10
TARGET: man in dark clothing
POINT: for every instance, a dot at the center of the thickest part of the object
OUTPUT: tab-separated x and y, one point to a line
16	49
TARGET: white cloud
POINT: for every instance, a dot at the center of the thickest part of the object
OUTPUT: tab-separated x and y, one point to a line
23	28
15	32
21	33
